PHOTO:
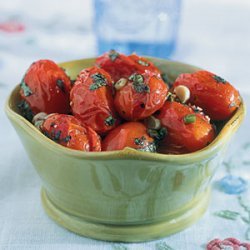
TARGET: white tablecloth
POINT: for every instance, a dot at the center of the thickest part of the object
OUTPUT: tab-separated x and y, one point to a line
213	35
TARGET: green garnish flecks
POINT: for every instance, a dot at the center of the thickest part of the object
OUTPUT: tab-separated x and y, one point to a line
191	118
157	134
57	135
113	55
98	81
26	110
138	83
140	141
219	79
143	63
110	121
26	89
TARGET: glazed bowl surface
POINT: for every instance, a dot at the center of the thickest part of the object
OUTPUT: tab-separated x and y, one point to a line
125	195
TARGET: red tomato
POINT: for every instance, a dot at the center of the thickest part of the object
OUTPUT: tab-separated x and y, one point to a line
92	101
187	131
141	96
130	134
121	66
116	64
44	88
69	132
217	97
143	65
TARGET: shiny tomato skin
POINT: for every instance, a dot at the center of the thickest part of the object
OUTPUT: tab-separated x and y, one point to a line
69	132
91	100
143	65
116	64
45	88
183	137
217	97
133	103
129	134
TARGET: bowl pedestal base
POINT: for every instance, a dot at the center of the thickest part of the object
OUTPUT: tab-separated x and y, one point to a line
126	233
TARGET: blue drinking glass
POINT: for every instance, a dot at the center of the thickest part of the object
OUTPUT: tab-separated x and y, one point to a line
147	27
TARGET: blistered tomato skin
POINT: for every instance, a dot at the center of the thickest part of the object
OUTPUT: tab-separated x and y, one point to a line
45	88
116	64
187	131
217	97
69	132
143	65
130	134
141	96
91	100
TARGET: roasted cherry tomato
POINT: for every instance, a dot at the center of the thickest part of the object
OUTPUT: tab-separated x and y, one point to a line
122	66
116	64
139	96
69	131
187	131
143	65
130	134
92	101
44	88
217	97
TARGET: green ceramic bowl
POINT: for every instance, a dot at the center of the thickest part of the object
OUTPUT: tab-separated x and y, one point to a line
125	195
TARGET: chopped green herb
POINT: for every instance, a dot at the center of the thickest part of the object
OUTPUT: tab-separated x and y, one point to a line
227	214
110	121
57	135
143	63
219	79
46	134
159	134
60	84
191	118
138	83
113	55
136	78
98	81
26	89
26	110
140	141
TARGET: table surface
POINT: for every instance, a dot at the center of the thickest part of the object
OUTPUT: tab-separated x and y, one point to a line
213	35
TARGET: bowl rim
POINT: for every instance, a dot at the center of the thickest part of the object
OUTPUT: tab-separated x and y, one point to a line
129	153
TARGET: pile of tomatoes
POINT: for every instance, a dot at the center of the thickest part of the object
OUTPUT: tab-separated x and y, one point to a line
123	101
